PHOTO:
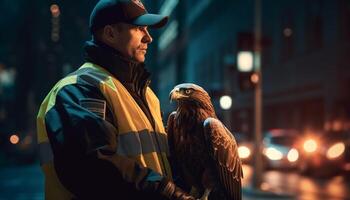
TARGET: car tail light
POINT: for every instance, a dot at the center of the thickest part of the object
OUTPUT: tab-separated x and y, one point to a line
335	150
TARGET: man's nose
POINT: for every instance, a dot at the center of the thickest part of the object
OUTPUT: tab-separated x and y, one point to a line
147	38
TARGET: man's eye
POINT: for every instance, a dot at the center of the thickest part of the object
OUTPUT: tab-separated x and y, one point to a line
142	28
187	91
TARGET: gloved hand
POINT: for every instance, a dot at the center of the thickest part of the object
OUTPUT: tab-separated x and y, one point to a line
181	195
172	192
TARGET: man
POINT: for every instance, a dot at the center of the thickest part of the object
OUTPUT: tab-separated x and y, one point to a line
100	131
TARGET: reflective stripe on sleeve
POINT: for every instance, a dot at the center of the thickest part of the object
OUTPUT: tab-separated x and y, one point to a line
143	142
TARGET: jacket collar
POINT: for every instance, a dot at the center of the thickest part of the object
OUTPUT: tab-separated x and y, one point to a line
129	73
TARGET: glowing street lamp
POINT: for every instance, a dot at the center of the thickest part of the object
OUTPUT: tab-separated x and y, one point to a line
55	10
245	61
225	102
14	139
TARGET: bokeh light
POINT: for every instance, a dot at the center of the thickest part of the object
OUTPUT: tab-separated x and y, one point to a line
273	153
55	10
243	152
310	145
335	150
225	102
293	155
14	139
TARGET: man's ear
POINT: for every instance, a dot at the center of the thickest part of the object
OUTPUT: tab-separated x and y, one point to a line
109	35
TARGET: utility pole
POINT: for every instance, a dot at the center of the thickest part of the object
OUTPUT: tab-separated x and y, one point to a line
257	173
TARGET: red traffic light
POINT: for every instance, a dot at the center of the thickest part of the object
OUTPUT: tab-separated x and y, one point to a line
247	80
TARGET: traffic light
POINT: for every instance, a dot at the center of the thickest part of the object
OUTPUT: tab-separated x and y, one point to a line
247	80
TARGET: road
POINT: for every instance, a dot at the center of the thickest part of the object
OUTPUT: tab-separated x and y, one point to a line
21	183
26	183
301	187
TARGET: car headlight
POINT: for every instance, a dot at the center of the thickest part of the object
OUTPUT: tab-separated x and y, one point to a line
243	152
293	155
273	153
335	150
310	145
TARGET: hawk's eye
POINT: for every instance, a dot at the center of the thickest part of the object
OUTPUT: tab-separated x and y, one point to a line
187	91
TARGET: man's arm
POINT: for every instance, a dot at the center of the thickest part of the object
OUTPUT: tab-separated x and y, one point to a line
84	144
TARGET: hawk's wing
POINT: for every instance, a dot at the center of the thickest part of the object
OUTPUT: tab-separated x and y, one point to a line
170	133
180	174
224	152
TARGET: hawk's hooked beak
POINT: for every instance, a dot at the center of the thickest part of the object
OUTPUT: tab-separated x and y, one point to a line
175	94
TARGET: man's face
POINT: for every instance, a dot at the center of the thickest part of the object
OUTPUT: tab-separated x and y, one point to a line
132	41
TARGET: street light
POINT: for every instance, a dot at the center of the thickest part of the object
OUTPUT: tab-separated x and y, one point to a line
55	21
55	10
245	61
14	139
254	78
247	79
225	102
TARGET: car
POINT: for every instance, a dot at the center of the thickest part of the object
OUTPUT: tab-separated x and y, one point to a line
280	148
245	148
326	154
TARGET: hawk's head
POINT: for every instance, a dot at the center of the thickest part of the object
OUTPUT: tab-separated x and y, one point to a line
192	96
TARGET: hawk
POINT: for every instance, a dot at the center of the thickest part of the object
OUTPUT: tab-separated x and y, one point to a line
203	149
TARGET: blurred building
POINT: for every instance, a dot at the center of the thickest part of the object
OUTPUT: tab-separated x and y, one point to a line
304	59
41	41
305	73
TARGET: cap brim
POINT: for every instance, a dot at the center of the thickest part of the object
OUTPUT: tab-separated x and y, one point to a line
151	20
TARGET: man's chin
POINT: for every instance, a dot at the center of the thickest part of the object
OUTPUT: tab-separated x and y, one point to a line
139	59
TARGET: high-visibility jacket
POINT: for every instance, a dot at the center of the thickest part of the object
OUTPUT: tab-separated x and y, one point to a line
67	114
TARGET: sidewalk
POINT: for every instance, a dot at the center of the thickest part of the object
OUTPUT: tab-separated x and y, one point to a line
250	193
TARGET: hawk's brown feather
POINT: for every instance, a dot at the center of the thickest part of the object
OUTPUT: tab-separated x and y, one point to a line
199	143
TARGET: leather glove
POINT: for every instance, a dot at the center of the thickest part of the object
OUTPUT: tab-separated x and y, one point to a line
172	192
181	195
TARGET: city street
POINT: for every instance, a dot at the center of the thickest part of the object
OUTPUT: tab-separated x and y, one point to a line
21	183
76	75
26	183
300	187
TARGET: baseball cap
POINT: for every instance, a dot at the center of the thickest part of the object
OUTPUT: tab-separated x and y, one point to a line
128	11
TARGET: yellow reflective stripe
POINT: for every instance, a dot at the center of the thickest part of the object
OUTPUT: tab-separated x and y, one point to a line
110	83
45	153
96	67
48	103
129	114
156	166
93	66
66	81
54	190
40	124
142	142
131	119
153	103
